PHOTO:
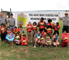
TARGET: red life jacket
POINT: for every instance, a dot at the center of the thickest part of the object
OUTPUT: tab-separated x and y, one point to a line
50	24
63	35
55	28
41	26
18	29
2	29
34	27
29	27
49	30
14	30
24	41
43	33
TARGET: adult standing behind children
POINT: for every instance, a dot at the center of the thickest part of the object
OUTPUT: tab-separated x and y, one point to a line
42	24
11	21
65	22
2	19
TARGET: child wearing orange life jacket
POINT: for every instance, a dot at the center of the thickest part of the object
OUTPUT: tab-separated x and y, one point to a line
34	28
15	30
64	39
49	30
42	24
50	23
44	33
18	29
24	40
2	32
29	29
56	28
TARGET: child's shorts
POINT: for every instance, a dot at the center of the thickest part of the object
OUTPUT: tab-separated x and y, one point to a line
42	40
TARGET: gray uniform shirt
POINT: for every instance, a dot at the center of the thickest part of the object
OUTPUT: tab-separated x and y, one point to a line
2	20
11	21
65	21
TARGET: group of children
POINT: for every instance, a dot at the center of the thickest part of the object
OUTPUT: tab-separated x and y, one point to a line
16	34
46	40
42	37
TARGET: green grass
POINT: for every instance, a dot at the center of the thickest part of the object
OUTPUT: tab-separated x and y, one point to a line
29	53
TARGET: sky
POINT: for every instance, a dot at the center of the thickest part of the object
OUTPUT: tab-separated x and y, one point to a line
33	5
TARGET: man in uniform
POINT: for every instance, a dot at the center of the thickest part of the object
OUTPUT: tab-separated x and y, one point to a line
2	22
2	19
65	22
11	21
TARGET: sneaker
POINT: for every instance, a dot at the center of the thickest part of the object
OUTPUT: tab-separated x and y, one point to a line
34	46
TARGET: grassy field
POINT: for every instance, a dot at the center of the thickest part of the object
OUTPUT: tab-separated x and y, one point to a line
29	53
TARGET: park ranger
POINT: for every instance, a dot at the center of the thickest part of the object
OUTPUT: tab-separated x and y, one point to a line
11	21
65	22
2	19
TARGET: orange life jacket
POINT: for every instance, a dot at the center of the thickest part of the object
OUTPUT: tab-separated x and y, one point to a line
50	24
63	35
34	27
29	27
49	30
15	30
57	27
43	33
41	25
18	29
2	29
24	41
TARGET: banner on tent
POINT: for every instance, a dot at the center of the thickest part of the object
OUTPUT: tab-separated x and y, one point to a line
25	17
